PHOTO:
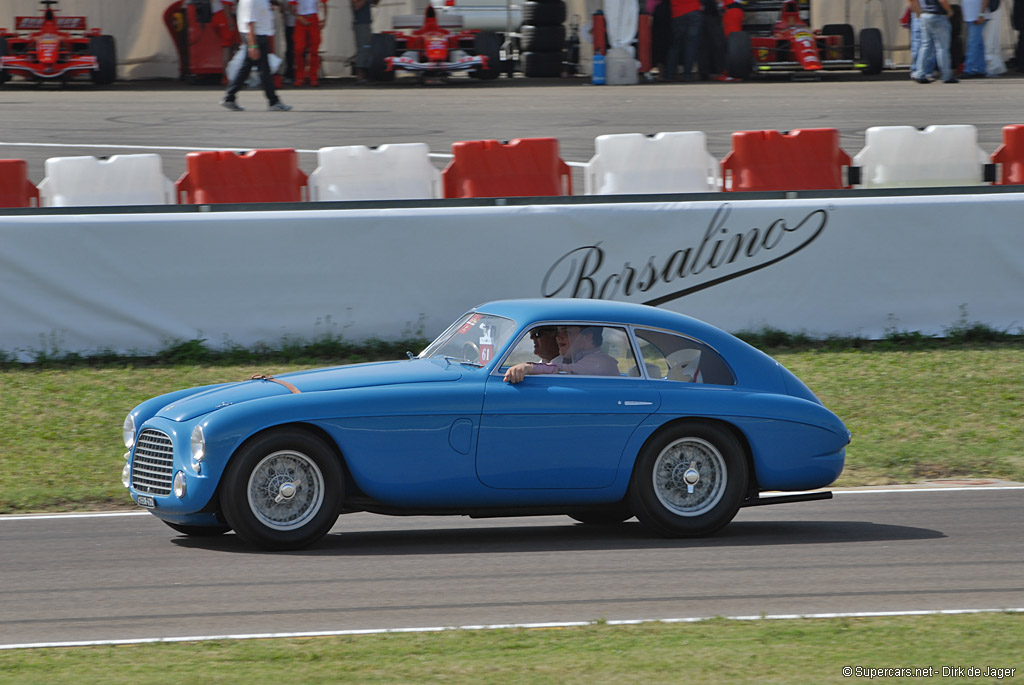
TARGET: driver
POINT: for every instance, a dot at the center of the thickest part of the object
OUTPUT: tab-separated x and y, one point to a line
581	355
545	344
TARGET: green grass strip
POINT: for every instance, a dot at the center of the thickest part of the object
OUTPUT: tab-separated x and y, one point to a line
718	650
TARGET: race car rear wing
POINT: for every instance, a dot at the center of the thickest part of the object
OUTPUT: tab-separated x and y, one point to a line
415	21
63	23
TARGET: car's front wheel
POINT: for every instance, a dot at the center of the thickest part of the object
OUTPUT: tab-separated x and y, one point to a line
282	490
689	480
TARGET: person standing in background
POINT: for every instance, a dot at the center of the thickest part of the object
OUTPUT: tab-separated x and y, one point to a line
1018	24
288	19
361	22
992	36
308	31
914	24
686	23
223	20
974	17
936	34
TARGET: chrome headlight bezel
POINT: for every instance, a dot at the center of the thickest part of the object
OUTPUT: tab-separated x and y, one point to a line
128	431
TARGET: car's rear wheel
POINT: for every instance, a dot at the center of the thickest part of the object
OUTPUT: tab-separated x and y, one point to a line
105	52
282	490
689	480
199	531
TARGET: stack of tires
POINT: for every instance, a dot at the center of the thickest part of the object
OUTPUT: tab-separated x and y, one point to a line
542	37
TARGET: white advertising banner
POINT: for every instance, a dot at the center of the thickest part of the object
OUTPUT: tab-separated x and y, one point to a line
847	266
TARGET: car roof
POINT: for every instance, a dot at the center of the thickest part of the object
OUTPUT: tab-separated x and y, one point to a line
569	309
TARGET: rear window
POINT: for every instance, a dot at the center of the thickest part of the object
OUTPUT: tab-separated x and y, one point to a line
672	357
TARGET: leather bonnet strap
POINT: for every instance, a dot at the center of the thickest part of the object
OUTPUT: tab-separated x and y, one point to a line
264	377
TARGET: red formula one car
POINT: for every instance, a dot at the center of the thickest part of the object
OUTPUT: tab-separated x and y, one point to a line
433	50
56	48
790	45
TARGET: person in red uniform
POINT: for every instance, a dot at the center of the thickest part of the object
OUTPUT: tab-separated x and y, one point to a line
686	25
732	17
308	25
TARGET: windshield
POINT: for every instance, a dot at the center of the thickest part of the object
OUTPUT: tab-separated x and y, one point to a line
474	339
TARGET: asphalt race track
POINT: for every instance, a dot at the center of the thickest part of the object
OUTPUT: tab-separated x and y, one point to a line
131	577
167	114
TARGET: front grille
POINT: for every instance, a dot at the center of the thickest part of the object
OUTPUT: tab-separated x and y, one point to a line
153	465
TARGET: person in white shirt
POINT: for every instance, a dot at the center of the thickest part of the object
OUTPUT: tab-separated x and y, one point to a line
994	65
256	24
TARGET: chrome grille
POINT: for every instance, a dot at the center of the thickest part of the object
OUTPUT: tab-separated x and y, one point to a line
153	464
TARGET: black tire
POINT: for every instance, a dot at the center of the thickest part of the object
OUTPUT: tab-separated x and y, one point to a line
544	13
199	531
4	76
689	480
105	52
542	38
739	60
871	51
382	45
846	32
282	490
604	516
542	64
487	44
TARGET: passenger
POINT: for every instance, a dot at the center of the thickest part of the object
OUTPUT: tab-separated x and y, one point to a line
581	355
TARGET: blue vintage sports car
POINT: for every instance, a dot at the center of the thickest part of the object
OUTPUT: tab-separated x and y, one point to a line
597	410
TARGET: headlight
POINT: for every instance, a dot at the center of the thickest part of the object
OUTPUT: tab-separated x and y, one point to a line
198	444
179	485
126	476
128	431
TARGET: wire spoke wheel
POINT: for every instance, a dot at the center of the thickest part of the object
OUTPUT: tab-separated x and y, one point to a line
283	489
286	490
690	477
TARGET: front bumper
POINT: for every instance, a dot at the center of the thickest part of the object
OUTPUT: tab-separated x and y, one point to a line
161	452
25	67
464	64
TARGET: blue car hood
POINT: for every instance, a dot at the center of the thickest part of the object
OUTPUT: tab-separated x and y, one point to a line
319	380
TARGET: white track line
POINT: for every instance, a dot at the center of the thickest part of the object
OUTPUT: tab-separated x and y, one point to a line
498	626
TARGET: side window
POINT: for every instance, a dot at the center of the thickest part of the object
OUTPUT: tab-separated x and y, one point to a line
577	349
672	357
537	345
612	342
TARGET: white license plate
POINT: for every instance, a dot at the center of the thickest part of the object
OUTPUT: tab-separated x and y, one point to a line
146	501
